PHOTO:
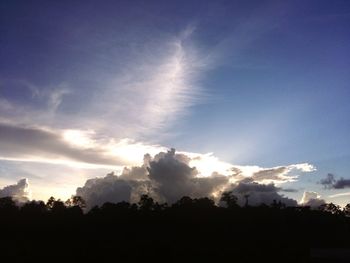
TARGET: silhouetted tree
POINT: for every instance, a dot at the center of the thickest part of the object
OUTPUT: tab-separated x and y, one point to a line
146	203
277	205
76	200
246	196
331	208
50	202
8	205
58	207
184	202
204	203
346	210
229	199
34	208
190	225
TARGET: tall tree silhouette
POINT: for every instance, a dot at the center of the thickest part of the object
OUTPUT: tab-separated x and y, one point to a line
146	203
230	199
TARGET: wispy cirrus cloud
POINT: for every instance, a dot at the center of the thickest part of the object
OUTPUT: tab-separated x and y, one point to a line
339	195
141	99
147	97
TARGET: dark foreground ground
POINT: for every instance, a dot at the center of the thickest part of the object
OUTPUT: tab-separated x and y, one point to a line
187	232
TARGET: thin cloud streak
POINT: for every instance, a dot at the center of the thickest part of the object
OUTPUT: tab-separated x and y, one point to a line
85	150
142	99
155	92
339	195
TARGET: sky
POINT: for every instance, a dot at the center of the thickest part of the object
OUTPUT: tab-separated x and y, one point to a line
243	90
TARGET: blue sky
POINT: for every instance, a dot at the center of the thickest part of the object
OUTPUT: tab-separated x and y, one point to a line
262	83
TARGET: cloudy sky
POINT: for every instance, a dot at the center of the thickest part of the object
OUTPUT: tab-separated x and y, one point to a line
252	94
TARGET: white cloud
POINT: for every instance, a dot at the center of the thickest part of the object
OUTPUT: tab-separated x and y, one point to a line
19	192
55	98
150	96
339	195
312	199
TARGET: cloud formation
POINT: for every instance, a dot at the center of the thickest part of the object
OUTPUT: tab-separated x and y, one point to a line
168	176
20	142
275	175
341	183
289	190
311	199
19	192
172	178
331	183
256	193
328	181
148	94
108	189
339	195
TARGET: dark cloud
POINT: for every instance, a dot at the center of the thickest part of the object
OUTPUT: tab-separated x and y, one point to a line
26	142
259	193
289	190
19	192
137	172
328	181
173	178
331	183
108	189
341	183
167	177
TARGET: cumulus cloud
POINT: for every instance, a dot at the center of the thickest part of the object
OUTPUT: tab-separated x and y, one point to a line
311	199
168	176
331	183
137	172
258	193
173	178
19	192
108	189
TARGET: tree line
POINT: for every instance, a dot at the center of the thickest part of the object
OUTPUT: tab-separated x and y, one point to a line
228	200
191	229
